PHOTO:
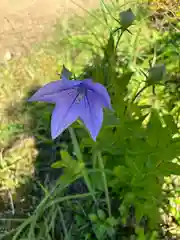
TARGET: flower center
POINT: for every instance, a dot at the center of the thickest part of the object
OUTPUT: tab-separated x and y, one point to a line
81	92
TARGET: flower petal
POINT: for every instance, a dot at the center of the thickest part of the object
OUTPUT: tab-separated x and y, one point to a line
92	113
51	91
65	112
100	90
48	93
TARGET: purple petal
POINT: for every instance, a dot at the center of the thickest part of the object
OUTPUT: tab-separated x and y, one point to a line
51	91
100	90
47	93
65	112
91	113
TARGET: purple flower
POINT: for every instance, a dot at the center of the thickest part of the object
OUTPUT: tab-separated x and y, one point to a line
74	99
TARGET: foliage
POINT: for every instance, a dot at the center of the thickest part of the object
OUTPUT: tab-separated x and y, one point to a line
170	6
165	13
118	179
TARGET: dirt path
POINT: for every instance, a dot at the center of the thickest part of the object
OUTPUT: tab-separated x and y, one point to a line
24	22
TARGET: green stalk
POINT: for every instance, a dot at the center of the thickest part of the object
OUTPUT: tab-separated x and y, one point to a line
139	92
101	164
80	158
118	39
63	223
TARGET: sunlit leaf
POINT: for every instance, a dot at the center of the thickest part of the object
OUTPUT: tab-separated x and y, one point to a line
168	168
170	123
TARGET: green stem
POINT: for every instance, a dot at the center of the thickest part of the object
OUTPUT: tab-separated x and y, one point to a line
75	144
101	164
80	158
119	37
139	92
63	223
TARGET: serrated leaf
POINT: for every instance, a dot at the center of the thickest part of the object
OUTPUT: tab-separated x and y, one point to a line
112	221
122	173
65	162
170	123
65	156
110	119
109	50
168	168
100	231
71	165
96	181
122	82
156	135
58	164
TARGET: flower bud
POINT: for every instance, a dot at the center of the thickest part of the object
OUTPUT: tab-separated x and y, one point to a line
93	217
156	73
101	214
127	18
66	73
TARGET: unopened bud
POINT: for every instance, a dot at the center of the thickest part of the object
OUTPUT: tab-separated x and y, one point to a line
156	73
101	214
66	73
127	18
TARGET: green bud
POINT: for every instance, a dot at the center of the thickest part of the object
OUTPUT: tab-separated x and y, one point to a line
112	221
93	217
127	18
156	73
101	214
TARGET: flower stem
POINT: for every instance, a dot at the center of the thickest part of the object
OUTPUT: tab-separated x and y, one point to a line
138	93
101	164
63	223
80	158
119	37
75	144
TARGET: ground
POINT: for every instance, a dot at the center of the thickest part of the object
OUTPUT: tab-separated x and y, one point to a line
24	22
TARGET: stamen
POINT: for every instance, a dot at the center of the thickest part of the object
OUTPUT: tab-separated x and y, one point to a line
81	91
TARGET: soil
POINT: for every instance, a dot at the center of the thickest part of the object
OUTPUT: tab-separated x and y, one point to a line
24	22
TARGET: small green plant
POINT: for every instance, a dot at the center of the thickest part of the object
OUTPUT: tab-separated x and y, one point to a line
118	178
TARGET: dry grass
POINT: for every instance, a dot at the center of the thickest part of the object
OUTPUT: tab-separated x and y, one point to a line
23	23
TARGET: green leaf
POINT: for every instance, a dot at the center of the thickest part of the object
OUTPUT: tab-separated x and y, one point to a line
110	119
65	162
169	120
58	164
122	173
72	166
154	125
122	82
140	233
112	221
104	145
168	168
109	50
96	181
100	231
157	135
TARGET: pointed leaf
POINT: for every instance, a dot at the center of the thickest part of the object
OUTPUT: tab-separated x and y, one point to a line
168	168
169	120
